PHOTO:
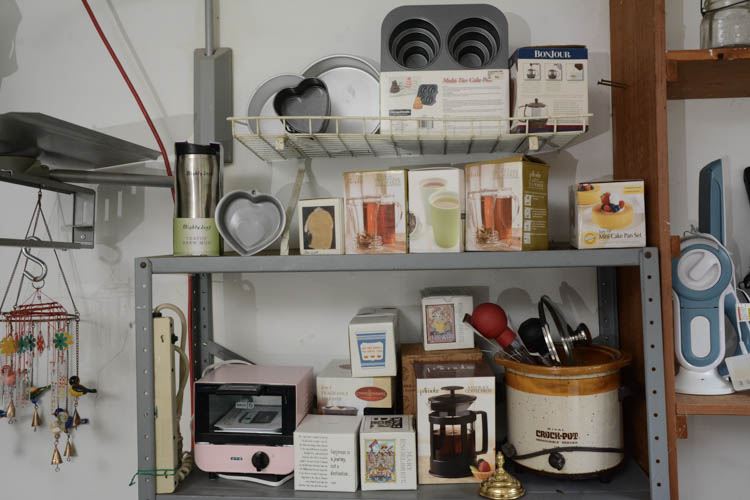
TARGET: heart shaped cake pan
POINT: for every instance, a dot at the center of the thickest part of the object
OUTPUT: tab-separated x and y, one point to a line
250	221
309	98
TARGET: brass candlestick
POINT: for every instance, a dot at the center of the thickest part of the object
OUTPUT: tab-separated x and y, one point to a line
501	485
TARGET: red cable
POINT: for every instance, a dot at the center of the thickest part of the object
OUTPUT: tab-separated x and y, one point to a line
131	87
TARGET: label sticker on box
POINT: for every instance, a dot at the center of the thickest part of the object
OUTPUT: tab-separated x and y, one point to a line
371	348
743	313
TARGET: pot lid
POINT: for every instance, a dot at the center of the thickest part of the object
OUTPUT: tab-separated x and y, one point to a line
536	104
452	401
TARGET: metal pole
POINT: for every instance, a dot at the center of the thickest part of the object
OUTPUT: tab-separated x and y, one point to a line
93	177
209	27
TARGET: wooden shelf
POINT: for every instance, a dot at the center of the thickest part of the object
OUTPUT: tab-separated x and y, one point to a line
731	404
706	74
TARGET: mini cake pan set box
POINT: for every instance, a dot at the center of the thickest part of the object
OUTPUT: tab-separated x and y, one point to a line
444	60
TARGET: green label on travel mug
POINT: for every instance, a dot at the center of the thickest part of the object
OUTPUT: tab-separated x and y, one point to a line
195	237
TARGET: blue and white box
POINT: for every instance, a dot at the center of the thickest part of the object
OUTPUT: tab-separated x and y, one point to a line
373	342
546	82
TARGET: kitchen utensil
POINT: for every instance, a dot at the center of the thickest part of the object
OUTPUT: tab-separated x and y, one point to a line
261	103
197	190
703	291
444	37
568	336
250	221
309	98
453	432
490	321
725	23
354	89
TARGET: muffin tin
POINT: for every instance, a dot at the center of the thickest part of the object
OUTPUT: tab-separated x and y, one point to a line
444	37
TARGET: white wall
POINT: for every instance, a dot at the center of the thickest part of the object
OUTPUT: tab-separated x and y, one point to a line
63	70
713	460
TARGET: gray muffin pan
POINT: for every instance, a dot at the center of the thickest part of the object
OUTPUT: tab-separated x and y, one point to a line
444	37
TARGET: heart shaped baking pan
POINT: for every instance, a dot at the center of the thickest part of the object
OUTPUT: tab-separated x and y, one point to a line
250	221
309	98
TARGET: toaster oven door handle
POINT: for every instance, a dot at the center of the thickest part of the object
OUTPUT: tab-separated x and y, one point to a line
245	389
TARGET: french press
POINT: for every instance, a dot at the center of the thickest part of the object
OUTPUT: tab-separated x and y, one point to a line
453	431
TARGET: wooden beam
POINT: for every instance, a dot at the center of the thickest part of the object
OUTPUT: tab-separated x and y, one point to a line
712	73
639	126
730	404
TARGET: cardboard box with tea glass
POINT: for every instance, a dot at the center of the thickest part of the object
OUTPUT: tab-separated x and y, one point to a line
325	453
550	81
338	393
375	211
373	342
608	214
436	205
388	453
506	205
443	310
455	422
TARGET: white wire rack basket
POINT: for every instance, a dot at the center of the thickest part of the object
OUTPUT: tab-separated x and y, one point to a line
346	137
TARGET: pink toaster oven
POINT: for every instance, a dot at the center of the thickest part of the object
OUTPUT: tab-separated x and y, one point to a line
245	417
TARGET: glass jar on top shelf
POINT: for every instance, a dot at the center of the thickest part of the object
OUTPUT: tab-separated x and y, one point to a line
726	23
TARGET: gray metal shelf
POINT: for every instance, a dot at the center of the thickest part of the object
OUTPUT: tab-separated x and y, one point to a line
396	262
630	483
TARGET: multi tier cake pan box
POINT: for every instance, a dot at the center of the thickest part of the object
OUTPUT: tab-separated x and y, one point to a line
444	61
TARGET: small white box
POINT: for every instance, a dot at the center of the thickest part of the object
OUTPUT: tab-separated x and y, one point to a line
341	394
325	453
321	226
550	81
388	453
436	208
420	95
443	311
373	340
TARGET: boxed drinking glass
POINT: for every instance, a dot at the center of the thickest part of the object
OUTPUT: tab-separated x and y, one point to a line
375	206
550	81
443	310
373	342
436	206
388	453
341	394
455	422
608	215
506	204
325	453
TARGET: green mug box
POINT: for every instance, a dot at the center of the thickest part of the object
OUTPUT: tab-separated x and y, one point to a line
506	205
436	208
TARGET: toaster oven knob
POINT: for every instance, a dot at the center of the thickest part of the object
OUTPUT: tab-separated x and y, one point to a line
260	460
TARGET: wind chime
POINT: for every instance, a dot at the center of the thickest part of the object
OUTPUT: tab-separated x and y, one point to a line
40	351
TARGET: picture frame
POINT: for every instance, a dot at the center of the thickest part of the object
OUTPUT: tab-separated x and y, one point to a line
321	226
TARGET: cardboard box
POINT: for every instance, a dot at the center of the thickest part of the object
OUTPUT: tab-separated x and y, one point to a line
480	93
550	81
506	205
436	208
376	211
474	380
388	453
373	342
443	310
340	393
325	453
321	226
411	354
608	214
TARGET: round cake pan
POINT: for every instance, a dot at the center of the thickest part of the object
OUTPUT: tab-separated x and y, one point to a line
354	88
261	103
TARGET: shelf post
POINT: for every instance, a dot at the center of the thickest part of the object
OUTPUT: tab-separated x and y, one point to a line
202	323
653	365
144	358
606	286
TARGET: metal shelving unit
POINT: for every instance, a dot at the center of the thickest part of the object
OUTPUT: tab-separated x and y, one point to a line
630	483
352	137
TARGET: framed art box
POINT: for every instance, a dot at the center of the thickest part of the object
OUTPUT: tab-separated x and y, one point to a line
321	226
443	310
388	453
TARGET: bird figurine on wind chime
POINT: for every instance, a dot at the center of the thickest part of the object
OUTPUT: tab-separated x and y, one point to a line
40	352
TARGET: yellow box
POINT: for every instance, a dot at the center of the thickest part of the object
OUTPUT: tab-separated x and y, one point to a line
608	214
